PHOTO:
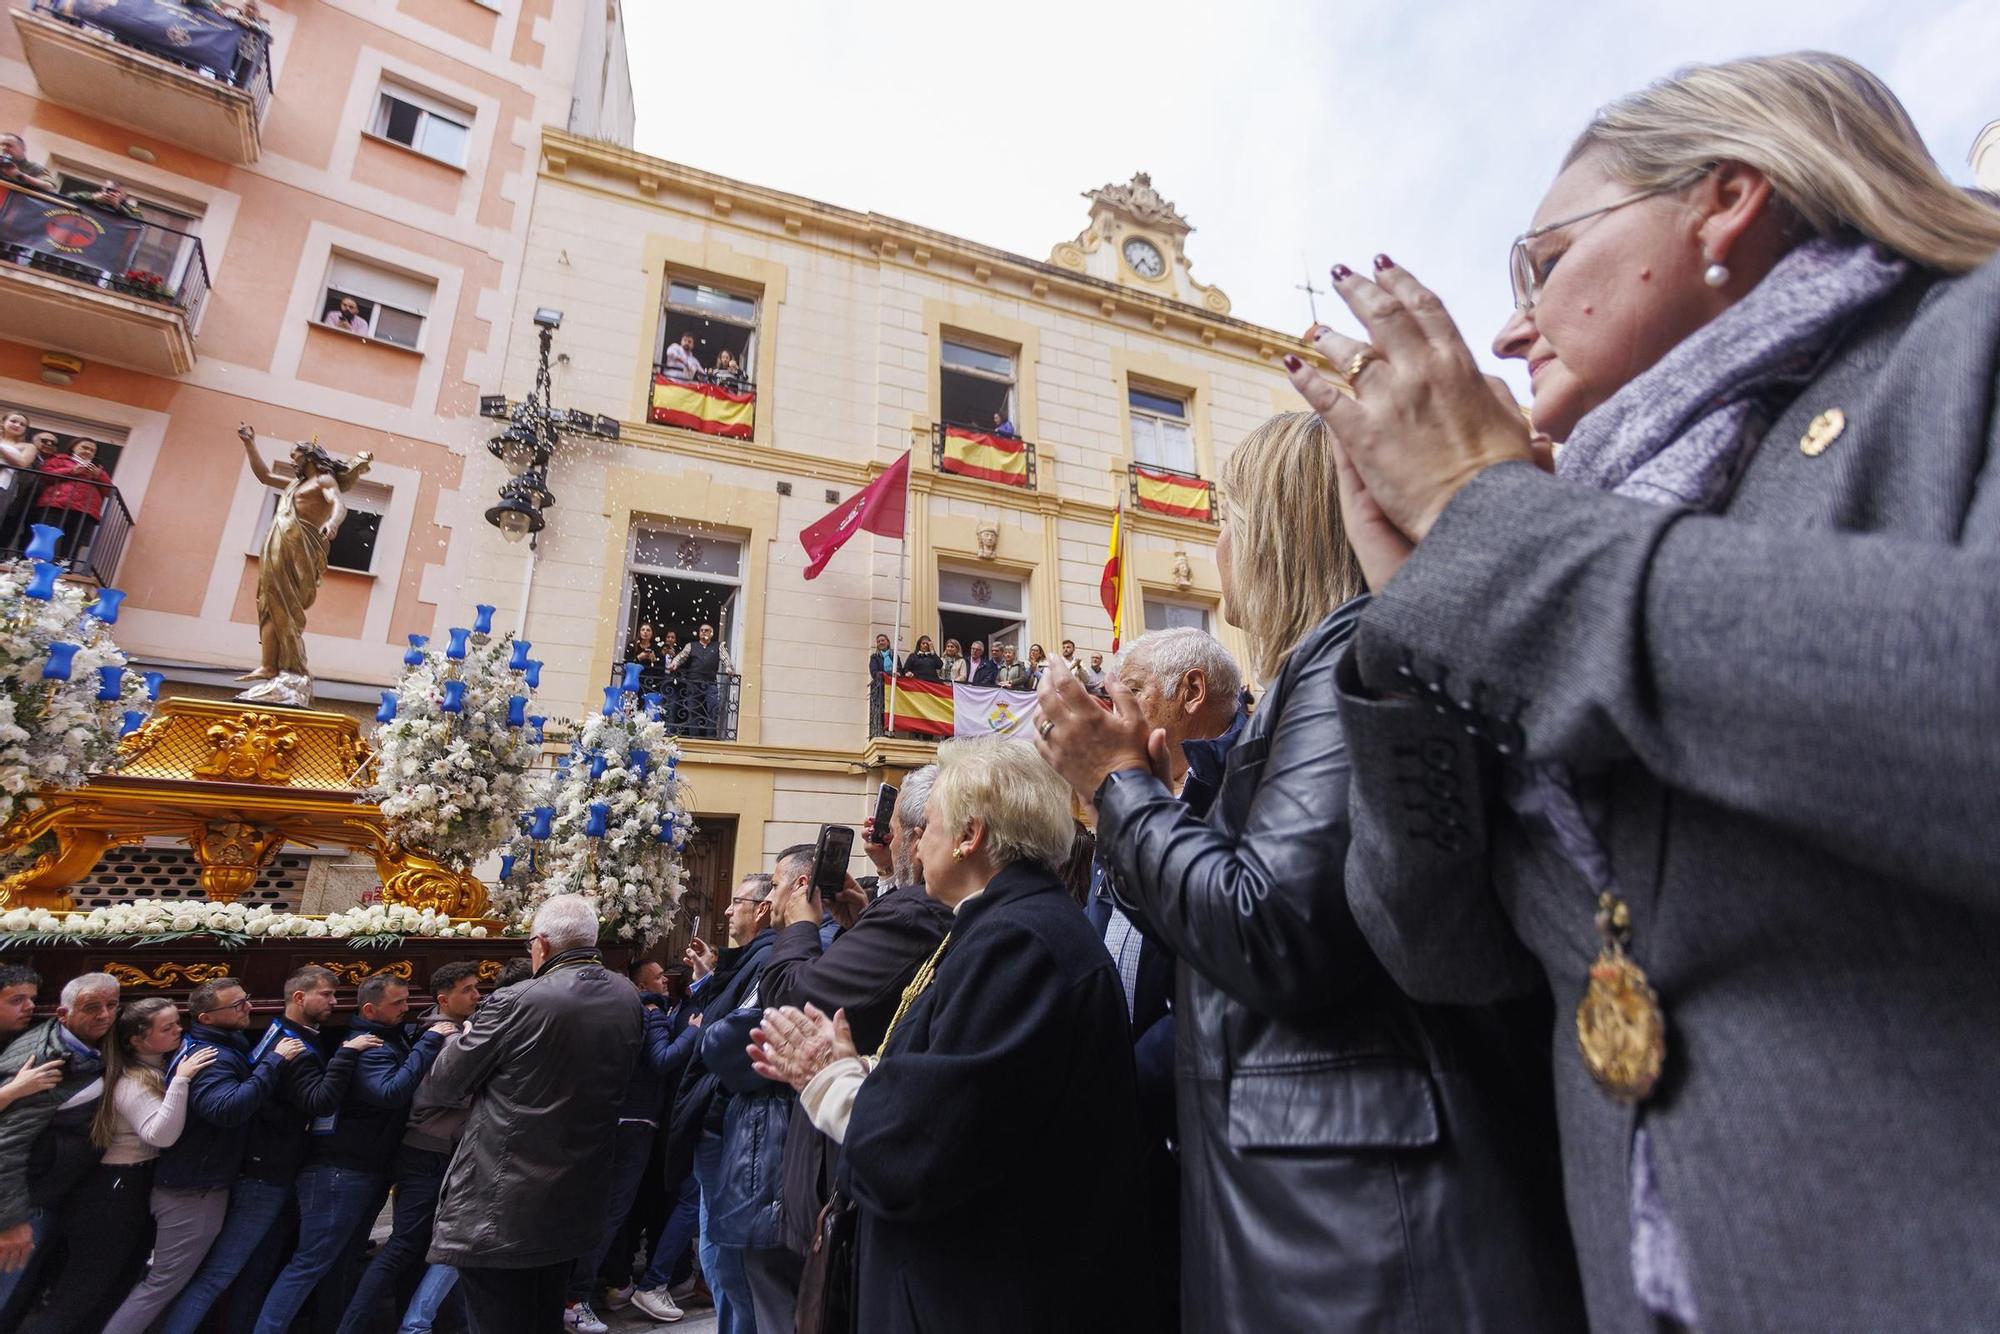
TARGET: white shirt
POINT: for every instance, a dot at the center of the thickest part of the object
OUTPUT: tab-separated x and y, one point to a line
147	1121
681	363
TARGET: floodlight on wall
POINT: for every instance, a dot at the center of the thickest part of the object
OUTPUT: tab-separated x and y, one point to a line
494	405
548	319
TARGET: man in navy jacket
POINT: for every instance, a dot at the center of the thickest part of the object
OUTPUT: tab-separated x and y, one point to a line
351	1152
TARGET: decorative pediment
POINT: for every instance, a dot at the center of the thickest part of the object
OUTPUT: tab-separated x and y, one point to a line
1140	201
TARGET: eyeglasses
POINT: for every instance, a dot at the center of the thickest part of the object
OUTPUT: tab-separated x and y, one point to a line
1521	272
242	1004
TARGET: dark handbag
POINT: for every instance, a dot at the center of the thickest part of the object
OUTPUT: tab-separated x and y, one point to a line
826	1291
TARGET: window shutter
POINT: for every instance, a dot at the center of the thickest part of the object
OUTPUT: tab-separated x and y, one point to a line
386	286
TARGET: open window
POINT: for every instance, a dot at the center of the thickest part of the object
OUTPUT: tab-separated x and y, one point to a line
678	581
721	322
976	385
353	546
1167	614
1162	436
982	606
422	122
376	302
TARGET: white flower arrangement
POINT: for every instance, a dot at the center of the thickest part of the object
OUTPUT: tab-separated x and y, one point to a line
616	818
54	730
452	782
371	926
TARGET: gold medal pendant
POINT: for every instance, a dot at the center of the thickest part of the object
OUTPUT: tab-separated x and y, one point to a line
1619	1024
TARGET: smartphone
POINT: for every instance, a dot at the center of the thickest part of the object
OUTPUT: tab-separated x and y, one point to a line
695	930
885	806
836	845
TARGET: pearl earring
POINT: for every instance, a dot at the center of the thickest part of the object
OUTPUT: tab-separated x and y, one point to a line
1716	274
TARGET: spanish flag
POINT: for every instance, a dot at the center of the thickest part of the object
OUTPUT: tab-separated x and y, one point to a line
995	458
1110	586
922	706
1172	493
707	408
936	708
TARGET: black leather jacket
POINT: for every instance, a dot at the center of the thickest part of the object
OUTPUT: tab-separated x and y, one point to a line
1350	1160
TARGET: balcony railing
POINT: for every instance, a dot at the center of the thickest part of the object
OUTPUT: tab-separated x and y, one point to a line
91	543
1184	495
694	709
194	76
712	402
87	247
970	451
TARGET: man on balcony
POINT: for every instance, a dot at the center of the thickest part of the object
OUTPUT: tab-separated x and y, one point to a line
17	168
110	197
700	665
681	362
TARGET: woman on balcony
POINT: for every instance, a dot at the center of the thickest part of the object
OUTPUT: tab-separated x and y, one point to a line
17	450
76	503
923	662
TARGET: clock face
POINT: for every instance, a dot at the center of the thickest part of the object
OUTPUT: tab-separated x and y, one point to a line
1144	258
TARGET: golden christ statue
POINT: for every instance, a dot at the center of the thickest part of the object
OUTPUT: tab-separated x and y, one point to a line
293	561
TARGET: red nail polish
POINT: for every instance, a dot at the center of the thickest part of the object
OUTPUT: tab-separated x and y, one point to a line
1383	262
1341	273
1292	363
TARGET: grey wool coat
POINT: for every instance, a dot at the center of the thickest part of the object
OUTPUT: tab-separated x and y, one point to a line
1786	721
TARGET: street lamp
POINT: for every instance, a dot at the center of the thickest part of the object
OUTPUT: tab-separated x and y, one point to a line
534	430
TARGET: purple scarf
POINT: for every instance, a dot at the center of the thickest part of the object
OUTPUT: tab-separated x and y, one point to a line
1679	434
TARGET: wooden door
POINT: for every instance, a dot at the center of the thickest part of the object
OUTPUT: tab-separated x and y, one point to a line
710	861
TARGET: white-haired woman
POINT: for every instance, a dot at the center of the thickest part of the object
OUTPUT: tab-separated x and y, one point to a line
989	1143
1736	663
1350	1160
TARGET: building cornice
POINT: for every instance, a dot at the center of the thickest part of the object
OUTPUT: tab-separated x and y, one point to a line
894	241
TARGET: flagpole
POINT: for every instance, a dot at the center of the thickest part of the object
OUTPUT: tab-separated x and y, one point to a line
902	590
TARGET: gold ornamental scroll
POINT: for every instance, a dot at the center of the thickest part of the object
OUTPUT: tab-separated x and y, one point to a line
235	785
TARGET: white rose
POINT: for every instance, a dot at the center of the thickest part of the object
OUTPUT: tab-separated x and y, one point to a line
479	933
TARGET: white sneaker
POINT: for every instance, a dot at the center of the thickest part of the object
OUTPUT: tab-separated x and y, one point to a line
583	1320
617	1299
657	1303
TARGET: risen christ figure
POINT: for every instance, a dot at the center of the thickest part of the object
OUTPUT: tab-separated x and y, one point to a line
293	560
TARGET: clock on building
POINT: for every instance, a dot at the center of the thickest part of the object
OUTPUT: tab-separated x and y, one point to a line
1144	257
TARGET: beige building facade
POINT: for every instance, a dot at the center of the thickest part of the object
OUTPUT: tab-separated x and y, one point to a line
383	152
860	337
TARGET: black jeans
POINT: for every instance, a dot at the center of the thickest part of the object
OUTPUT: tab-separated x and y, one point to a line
516	1301
392	1275
105	1228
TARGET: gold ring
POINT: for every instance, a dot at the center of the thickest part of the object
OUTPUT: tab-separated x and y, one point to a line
1357	361
1045	727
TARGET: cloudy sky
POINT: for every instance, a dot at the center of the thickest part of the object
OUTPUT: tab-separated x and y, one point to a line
1291	135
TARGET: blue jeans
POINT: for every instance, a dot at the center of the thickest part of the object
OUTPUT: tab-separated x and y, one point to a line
333	1203
40	1224
254	1209
683	1222
438	1281
727	1280
419	1177
631	1146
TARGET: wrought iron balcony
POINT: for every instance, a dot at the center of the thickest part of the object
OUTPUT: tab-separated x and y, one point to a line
72	277
972	451
92	516
196	77
1185	495
692	709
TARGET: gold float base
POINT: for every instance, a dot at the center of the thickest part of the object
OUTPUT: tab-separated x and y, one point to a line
236	783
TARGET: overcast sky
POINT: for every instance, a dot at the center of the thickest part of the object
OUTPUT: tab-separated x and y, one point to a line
1291	135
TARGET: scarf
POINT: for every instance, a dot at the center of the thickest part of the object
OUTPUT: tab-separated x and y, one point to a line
1680	434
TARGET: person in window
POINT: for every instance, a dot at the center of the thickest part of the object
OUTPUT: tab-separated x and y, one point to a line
979	669
1038	662
18	449
646	650
681	362
1013	673
76	502
347	315
700	665
728	373
1002	426
923	662
17	168
954	662
110	197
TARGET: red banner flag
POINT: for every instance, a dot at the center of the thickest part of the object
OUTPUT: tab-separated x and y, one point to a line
878	507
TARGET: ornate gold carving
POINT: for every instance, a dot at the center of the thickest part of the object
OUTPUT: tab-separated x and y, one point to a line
231	853
167	974
252	749
489	970
356	756
142	739
356	971
1620	1027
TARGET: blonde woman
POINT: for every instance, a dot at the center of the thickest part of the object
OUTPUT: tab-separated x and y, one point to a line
107	1223
1350	1160
988	1145
1700	730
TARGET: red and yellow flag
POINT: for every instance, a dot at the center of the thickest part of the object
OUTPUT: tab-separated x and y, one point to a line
995	458
707	408
923	706
1111	585
1172	493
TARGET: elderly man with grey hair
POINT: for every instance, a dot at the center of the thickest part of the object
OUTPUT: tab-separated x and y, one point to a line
544	1064
862	970
1186	685
59	1117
